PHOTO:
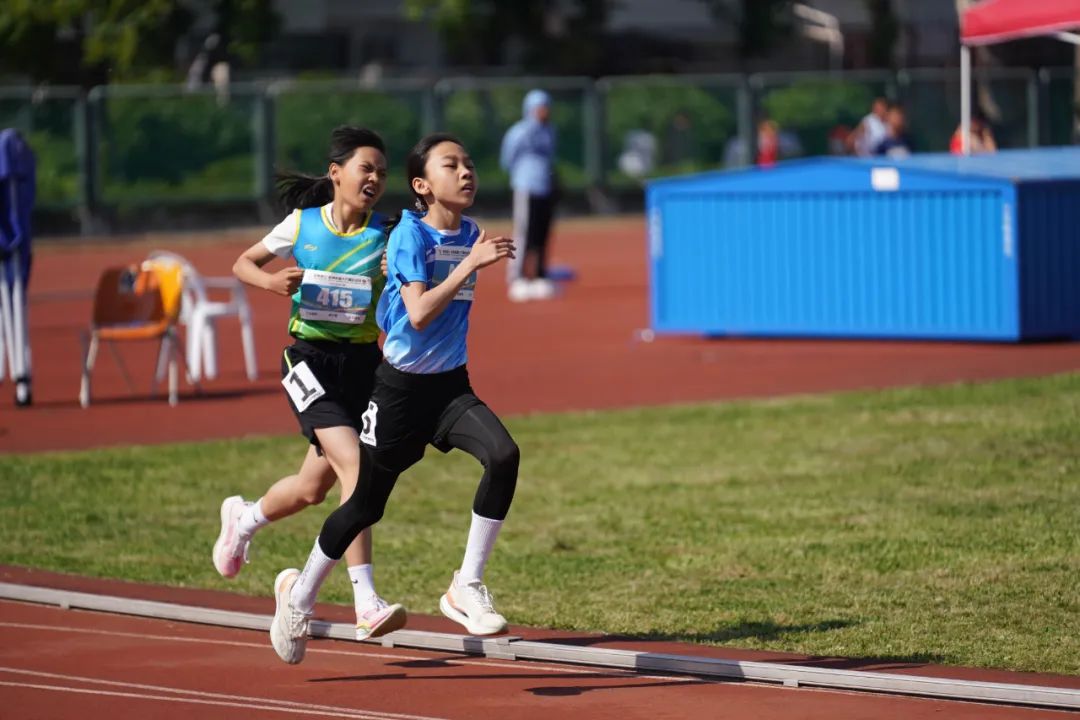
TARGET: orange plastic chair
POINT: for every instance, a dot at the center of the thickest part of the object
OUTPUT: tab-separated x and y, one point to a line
135	303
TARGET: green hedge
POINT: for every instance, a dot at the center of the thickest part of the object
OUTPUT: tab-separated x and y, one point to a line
194	147
708	123
303	121
191	146
811	109
49	127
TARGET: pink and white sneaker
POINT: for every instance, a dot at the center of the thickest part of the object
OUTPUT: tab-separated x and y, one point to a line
231	548
379	618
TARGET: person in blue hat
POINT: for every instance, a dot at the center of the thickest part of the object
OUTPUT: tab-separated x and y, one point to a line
528	154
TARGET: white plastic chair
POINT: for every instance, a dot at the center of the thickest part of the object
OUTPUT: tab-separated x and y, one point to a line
199	313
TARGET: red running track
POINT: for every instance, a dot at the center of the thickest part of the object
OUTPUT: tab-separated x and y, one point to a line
73	664
578	352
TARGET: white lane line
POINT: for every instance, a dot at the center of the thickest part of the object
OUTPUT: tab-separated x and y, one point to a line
217	696
613	672
461	661
247	707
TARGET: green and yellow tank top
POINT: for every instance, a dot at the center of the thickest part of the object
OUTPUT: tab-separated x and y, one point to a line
342	279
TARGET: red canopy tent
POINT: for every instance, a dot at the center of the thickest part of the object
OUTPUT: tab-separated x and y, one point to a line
994	21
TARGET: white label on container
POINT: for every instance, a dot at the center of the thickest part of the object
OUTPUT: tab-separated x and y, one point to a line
656	239
885	179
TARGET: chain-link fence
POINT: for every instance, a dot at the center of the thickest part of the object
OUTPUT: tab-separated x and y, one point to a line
132	146
53	121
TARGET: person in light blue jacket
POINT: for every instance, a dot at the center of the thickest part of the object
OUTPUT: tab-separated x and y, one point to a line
528	154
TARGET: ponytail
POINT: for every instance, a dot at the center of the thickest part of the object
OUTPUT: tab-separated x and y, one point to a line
297	191
392	222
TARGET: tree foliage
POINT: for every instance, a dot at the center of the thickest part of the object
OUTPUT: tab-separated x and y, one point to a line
540	35
884	32
91	41
761	24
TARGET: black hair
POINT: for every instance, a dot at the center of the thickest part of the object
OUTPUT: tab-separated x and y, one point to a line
415	162
298	190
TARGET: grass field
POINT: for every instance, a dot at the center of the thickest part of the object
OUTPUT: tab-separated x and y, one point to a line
938	524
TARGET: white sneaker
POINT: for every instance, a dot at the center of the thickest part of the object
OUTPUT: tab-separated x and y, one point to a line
231	548
473	606
379	618
520	290
289	630
541	289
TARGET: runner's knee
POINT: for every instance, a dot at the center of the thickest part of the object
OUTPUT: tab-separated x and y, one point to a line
503	461
313	492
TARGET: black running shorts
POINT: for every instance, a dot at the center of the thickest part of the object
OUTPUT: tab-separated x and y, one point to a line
345	372
408	411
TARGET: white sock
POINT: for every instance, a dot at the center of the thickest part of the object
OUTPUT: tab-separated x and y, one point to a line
482	535
252	519
363	584
314	574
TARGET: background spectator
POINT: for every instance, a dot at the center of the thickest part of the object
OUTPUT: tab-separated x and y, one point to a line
871	130
897	143
981	137
528	154
768	143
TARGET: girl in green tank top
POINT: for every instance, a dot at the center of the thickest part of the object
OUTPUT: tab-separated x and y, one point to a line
337	242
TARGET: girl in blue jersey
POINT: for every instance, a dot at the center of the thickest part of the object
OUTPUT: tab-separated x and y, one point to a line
338	244
422	395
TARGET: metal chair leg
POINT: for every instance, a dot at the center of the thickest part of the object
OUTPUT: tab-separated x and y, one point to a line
174	358
161	365
120	364
209	349
91	346
247	337
195	340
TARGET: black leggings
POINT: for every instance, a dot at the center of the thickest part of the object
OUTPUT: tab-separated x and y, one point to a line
477	431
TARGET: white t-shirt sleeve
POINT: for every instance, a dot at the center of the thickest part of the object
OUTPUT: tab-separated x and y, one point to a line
280	240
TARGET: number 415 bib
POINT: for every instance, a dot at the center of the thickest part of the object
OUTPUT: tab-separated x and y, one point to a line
336	297
448	257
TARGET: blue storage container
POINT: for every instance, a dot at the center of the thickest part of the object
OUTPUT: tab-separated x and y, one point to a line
935	246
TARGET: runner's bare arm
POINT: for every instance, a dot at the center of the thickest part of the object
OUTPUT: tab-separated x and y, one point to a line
248	267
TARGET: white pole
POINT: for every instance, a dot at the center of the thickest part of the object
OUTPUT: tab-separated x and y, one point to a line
7	319
19	330
965	99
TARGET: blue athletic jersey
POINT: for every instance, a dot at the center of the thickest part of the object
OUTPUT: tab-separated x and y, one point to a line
417	252
341	310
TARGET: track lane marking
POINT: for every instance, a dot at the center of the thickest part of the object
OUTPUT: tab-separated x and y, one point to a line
459	661
278	704
220	703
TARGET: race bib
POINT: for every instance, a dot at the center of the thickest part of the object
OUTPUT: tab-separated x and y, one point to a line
336	297
302	386
370	418
448	257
